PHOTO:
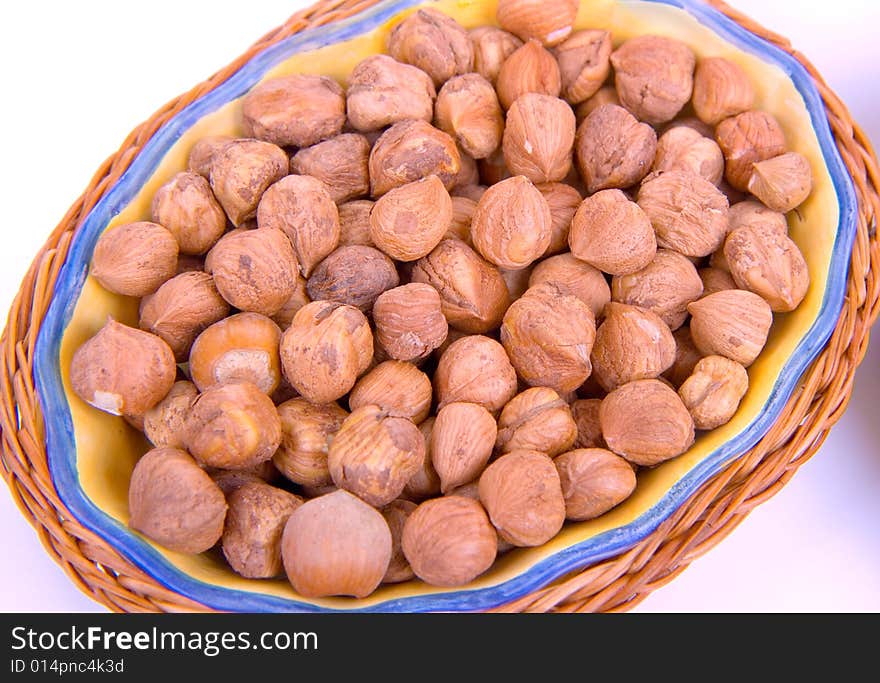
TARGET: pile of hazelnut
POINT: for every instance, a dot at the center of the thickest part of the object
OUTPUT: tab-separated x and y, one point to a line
404	327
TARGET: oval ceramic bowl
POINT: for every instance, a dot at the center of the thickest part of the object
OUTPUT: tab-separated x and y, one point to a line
91	454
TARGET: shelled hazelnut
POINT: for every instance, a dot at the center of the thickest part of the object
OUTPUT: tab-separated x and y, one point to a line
186	207
469	357
462	439
687	355
354	223
537	419
409	321
713	391
241	171
492	46
450	52
202	153
340	163
134	259
383	91
594	480
721	89
355	275
573	276
425	483
682	148
409	151
584	64
585	412
733	323
549	23
529	69
467	108
746	139
538	138
400	389
306	432
163	423
563	200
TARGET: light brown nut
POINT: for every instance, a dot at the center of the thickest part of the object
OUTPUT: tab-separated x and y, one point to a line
463	209
122	370
411	150
172	501
585	412
523	496
340	163
768	263
409	321
181	308
240	348
396	513
382	91
682	148
134	259
654	76
594	480
548	336
607	94
687	355
783	183
354	223
398	388
584	64
492	46
354	275
434	42
374	455
425	483
300	297
529	69
511	225
449	541
721	89
240	174
462	440
537	419
202	153
689	214
306	432
646	422
296	111
613	149
187	208
563	201
713	392
335	544
163	423
573	276
746	139
468	110
538	138
750	213
548	22
715	280
733	323
475	369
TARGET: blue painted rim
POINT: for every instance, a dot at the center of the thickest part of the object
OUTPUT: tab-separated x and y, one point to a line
58	421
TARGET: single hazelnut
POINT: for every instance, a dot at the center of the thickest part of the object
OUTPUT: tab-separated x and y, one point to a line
306	432
241	172
396	513
584	64
563	201
715	280
646	422
340	163
607	94
593	480
713	392
686	357
408	151
538	138
746	139
122	370
434	42
549	23
462	439
537	419
468	358
463	209
173	502
335	545
300	297
187	208
682	148
382	91
425	483
749	213
354	223
573	276
163	423
783	183
721	89
355	275
492	46
733	323
585	412
409	321
468	110
529	69
202	153
134	259
654	77
398	388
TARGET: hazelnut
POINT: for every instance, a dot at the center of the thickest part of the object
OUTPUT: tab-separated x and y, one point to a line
396	513
548	22
584	63
163	423
492	46
593	480
411	150
746	139
374	454
715	280
607	94
306	431
409	321
472	357
434	42
689	214
468	172
354	223
230	480
202	153
326	348
340	163
462	439
400	389
539	137
733	323
240	173
232	426
523	496
467	108
425	483
187	208
613	149
511	225
463	209
297	300
654	77
122	370
783	183
492	170
355	275
585	412
713	392
335	545
721	89
382	91
449	541
750	213
573	276
173	502
536	419
646	422
686	357
295	111
563	201
529	69
682	148
134	259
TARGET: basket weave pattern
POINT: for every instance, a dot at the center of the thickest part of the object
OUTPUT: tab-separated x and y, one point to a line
614	584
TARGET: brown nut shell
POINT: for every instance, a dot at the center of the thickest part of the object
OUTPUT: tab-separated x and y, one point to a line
475	369
537	419
529	69
549	23
201	154
467	108
713	392
783	183
750	213
163	423
539	137
409	151
575	277
241	172
383	91
594	480
340	163
134	259
584	64
306	432
355	275
733	323
462	440
721	89
400	389
746	139
409	321
492	46
434	42
187	208
396	513
682	148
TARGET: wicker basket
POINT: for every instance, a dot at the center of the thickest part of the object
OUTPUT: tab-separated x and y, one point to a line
614	584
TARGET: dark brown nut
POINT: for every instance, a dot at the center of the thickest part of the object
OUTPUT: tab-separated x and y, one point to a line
713	392
134	259
297	300
470	357
409	321
750	213
255	270
240	348
530	69
511	225
584	63
435	43
523	496
563	201
374	455
689	214
399	389
340	163
163	423
294	111
409	221
573	276
463	209
187	208
654	76
173	502
382	91
607	94
733	323
462	439
715	280
202	153
354	223
492	46
326	348
473	294
122	370
353	275
493	170
768	263
665	286
783	183
302	208
548	22
517	281
254	524
306	432
409	151
686	357
335	545
746	139
468	109
425	483
612	233
471	192
594	480
449	541
536	419
682	148
539	137
187	264
585	412
549	335
396	513
240	174
646	422
613	149
468	172
721	89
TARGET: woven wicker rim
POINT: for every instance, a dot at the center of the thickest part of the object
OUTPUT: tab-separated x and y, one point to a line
617	583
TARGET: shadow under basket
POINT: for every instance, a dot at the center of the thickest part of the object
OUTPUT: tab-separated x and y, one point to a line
817	396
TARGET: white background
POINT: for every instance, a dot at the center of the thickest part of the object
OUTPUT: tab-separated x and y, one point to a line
78	76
